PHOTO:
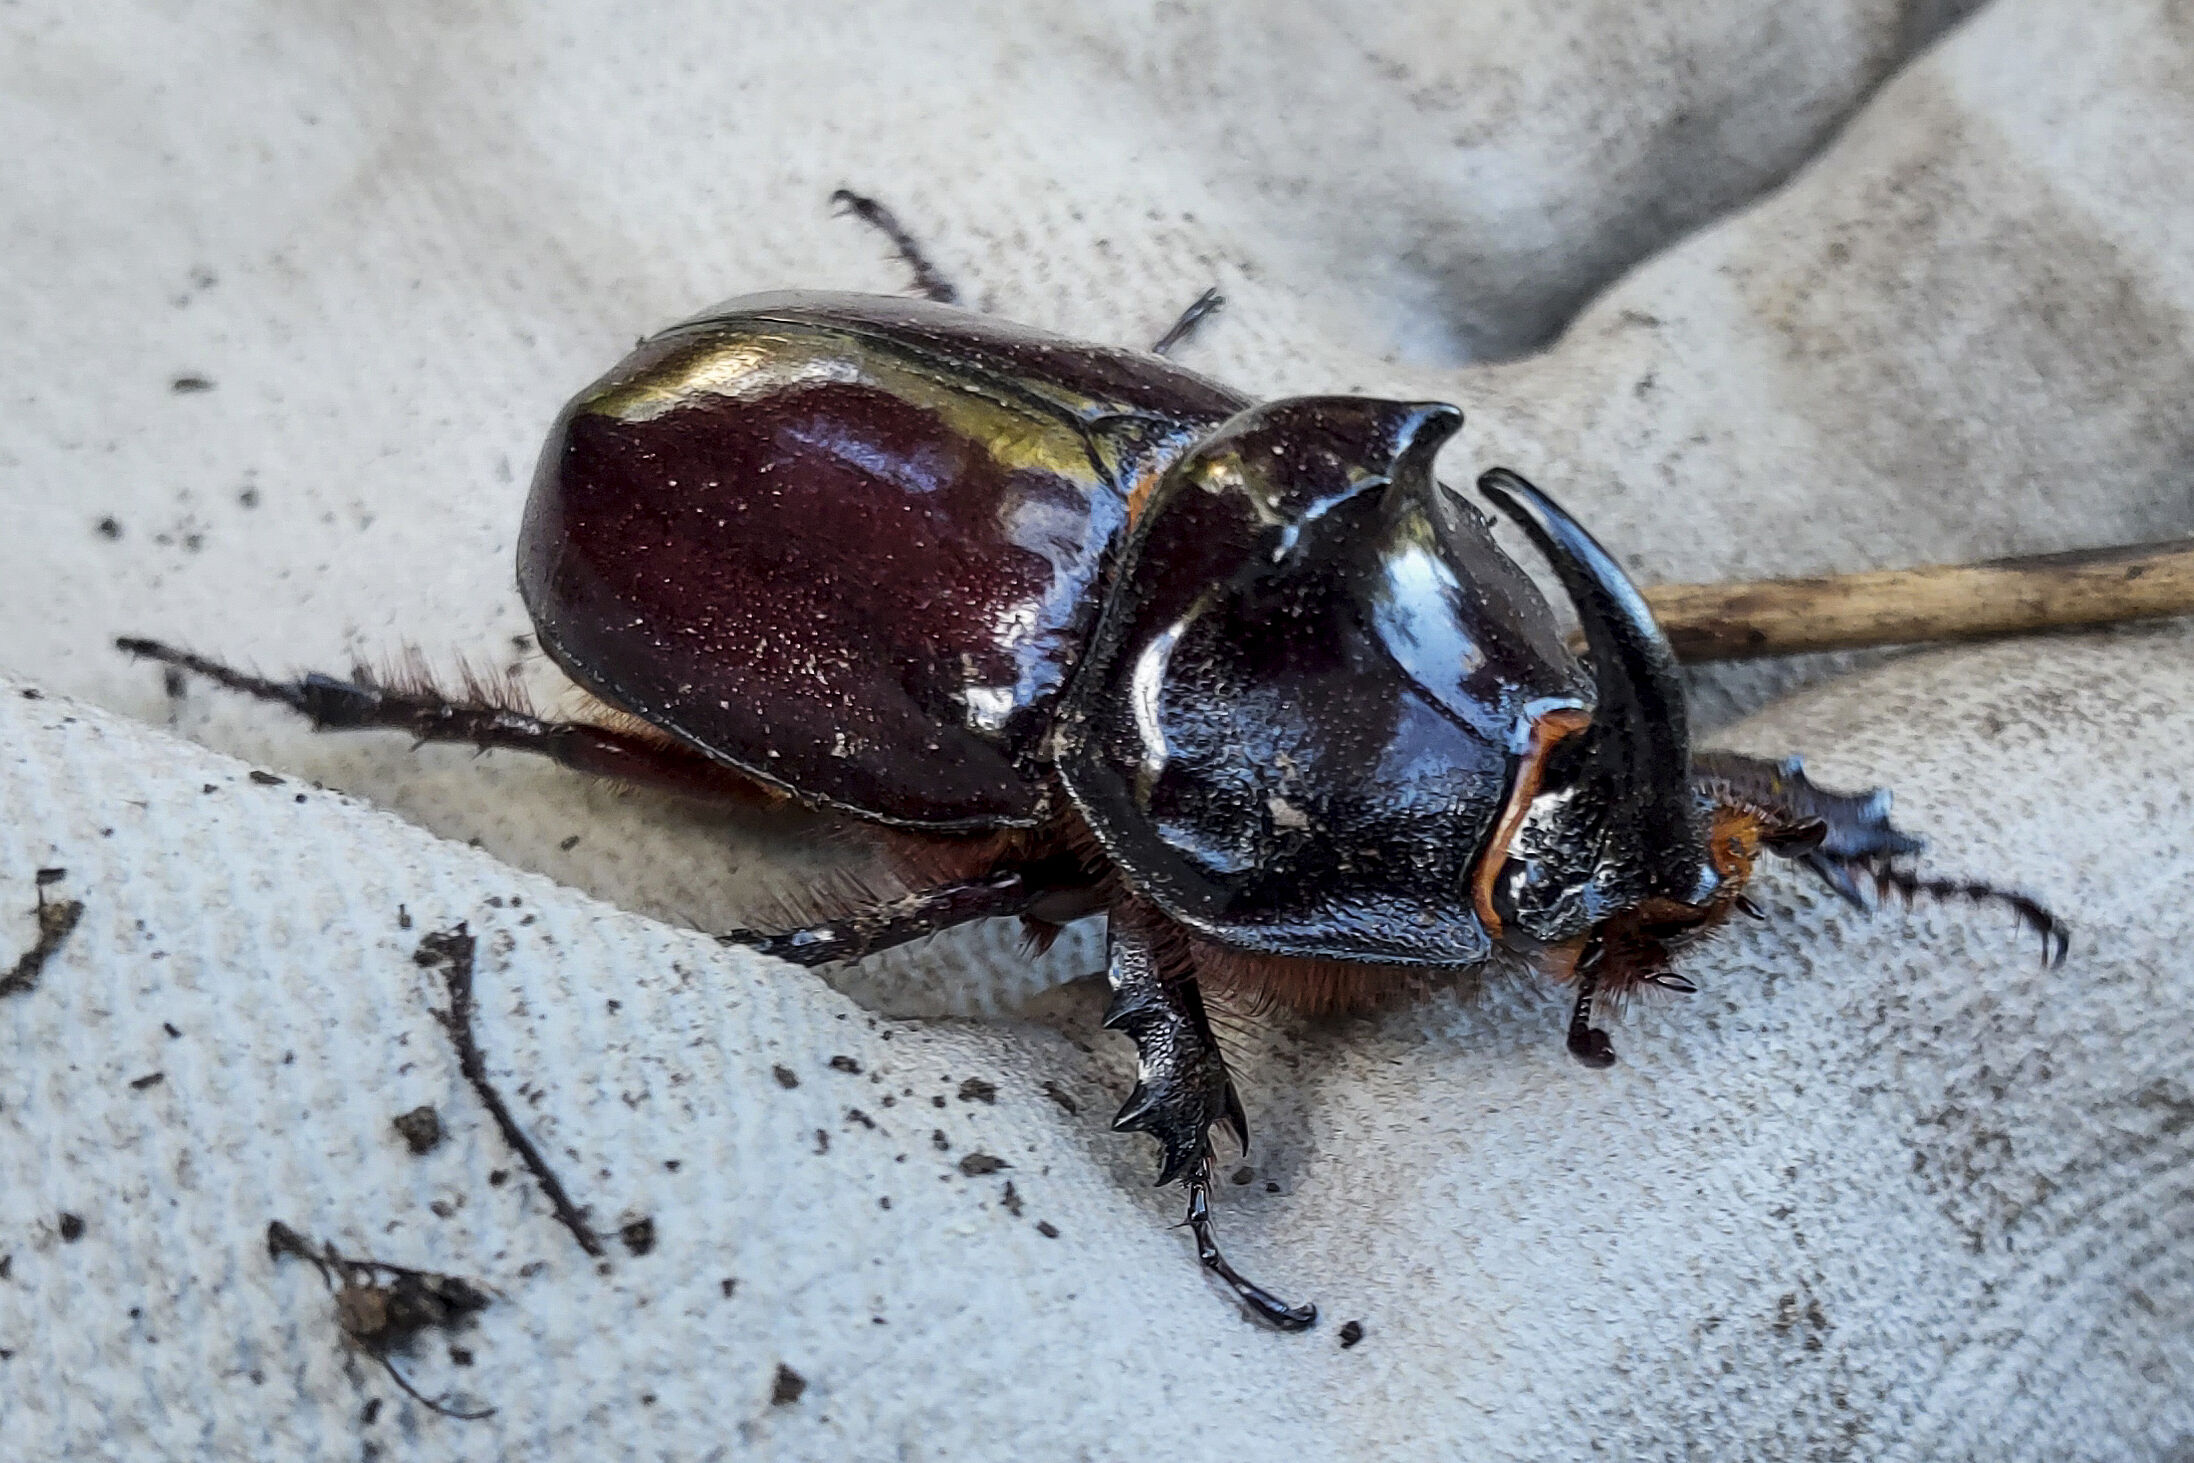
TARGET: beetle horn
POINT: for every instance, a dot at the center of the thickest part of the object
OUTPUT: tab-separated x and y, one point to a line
1641	735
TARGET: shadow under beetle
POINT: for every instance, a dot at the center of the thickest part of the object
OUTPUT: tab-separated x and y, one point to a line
1077	631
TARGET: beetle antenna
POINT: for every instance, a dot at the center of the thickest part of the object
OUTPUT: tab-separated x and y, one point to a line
928	278
2056	934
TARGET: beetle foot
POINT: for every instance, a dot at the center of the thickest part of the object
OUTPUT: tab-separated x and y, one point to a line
1181	1082
1588	1043
2056	934
1204	306
927	277
1262	1303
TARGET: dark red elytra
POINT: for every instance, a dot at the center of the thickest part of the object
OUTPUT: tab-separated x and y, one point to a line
849	546
1072	631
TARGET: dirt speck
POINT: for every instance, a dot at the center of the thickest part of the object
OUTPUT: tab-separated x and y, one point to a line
785	1076
110	527
190	385
1351	1333
729	1285
72	1227
639	1235
975	1089
975	1165
1047	1229
786	1388
1059	1095
150	1079
845	1064
381	1308
1011	1198
421	1128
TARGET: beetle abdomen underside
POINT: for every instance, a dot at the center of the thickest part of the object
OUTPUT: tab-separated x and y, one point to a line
848	545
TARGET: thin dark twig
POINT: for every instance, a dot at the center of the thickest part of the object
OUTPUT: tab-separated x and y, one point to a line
452	950
282	1240
388	1365
55	919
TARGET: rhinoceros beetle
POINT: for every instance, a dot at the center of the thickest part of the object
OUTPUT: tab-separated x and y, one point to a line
1075	631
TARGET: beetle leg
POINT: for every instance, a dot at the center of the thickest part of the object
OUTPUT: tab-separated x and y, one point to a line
927	277
995	896
1181	1091
1203	307
358	704
1847	838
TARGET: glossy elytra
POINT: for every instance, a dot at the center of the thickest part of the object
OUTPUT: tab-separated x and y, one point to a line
1075	631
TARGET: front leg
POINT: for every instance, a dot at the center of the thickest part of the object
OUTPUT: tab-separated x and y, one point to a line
1181	1091
1846	837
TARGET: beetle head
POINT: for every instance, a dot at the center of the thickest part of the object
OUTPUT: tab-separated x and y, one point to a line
1616	822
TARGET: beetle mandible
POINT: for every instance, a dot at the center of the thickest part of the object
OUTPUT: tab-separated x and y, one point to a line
1076	631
